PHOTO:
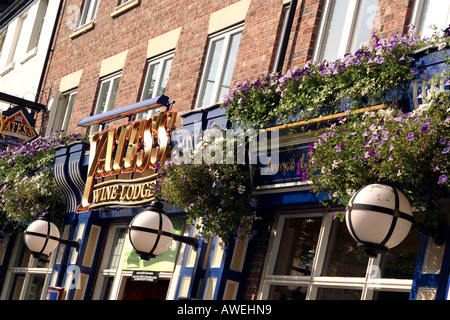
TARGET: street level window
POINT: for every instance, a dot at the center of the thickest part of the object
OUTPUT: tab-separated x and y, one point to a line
346	24
220	60
89	11
27	278
431	13
315	258
111	260
64	111
157	75
107	96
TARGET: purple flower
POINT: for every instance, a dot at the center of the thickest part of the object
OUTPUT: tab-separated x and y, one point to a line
410	136
239	230
442	178
446	150
424	128
414	70
443	141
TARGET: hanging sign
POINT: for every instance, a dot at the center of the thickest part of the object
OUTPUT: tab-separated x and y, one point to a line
16	127
135	147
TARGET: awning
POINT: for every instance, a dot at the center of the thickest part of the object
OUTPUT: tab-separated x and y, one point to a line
126	111
21	102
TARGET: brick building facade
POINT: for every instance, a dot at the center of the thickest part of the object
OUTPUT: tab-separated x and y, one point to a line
110	54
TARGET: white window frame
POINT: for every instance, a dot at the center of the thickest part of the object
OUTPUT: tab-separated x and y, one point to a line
347	31
368	284
105	273
108	104
226	35
89	12
162	61
2	41
63	111
28	271
417	14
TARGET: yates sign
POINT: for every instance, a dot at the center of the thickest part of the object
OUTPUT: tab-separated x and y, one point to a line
132	148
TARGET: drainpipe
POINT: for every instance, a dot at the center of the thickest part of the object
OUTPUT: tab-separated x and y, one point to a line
281	54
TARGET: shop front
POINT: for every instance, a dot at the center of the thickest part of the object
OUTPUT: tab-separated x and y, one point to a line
105	184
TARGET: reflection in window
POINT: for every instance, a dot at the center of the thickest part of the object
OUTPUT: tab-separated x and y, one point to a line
338	294
222	53
287	293
343	257
298	246
349	23
433	13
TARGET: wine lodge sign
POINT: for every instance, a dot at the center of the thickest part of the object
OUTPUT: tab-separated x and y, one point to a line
123	163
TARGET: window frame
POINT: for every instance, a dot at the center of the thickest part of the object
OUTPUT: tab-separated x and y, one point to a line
89	12
416	15
111	79
348	31
64	111
104	272
226	35
160	60
367	284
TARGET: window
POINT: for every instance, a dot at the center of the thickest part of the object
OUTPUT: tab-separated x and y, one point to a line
38	23
27	277
158	71
17	31
431	13
345	25
89	11
64	111
2	41
315	258
111	260
218	71
106	96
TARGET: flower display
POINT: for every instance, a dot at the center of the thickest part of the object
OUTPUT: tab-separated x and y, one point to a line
28	188
216	196
376	72
407	150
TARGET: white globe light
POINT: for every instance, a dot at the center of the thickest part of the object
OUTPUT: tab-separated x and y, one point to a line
378	217
42	237
151	233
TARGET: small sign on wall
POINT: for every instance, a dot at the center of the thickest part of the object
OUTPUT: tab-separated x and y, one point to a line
148	276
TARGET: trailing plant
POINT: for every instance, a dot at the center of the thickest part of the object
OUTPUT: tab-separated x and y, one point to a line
373	73
28	188
214	191
408	150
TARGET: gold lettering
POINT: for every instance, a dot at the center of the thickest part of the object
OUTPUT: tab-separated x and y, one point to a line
133	143
97	145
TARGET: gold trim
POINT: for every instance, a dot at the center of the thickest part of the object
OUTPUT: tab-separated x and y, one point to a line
327	118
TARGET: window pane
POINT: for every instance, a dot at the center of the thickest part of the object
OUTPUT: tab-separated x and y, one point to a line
400	261
333	34
116	248
35	287
151	81
68	110
390	295
433	13
364	23
298	246
229	66
287	293
106	289
112	96
103	96
210	78
343	258
338	294
164	77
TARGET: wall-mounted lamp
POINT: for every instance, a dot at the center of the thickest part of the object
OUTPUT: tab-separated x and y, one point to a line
151	232
379	217
42	237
